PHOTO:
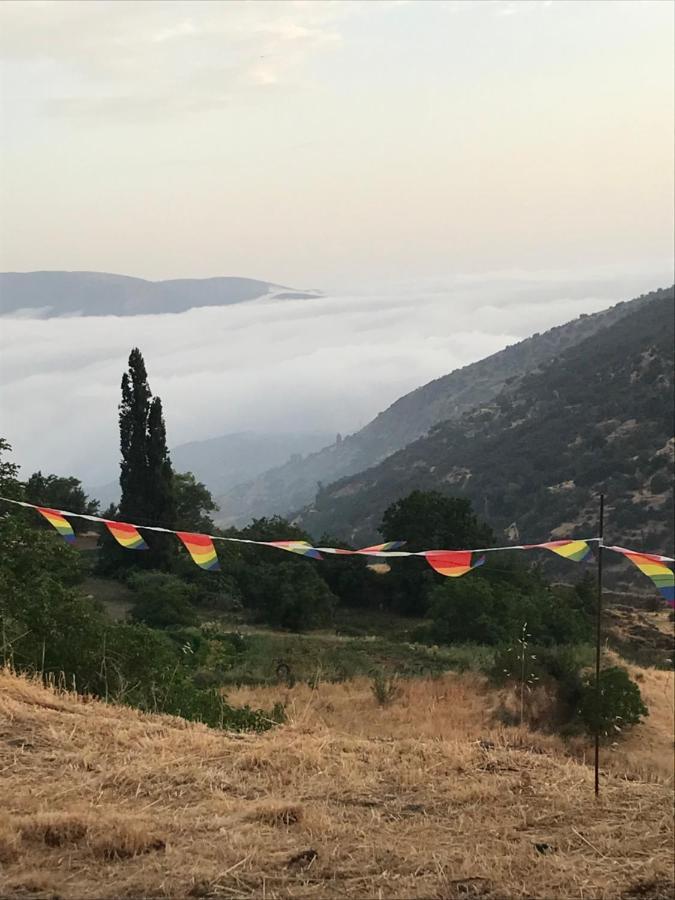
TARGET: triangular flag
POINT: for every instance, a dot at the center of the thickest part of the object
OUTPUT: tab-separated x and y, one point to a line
650	565
62	525
577	551
126	535
201	549
452	563
300	547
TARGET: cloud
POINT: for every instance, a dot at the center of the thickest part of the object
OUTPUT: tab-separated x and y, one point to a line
106	58
330	363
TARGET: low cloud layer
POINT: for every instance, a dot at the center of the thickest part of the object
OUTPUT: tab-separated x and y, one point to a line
324	364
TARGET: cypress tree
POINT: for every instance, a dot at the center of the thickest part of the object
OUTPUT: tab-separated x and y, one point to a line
146	476
133	418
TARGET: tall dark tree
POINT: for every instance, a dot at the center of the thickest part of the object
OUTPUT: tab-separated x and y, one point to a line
146	476
134	412
160	493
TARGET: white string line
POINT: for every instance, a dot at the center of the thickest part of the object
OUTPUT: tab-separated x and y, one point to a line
387	554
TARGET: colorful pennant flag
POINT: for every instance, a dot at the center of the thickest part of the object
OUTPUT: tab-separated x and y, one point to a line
300	547
452	563
381	548
126	535
62	525
375	550
651	566
577	551
201	549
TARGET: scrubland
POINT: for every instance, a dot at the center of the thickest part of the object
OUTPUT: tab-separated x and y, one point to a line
426	797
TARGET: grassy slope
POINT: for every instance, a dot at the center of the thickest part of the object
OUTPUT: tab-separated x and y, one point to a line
346	800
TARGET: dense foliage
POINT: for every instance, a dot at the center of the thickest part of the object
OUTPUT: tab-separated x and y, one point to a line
620	703
48	626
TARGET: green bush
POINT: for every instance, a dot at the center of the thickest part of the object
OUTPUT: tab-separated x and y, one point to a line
621	704
289	595
162	600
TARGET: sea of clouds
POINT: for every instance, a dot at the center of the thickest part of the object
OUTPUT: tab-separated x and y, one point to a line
326	364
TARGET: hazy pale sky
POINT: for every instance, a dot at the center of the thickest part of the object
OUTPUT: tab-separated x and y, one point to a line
336	144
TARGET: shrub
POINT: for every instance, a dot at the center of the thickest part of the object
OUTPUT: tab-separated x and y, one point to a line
162	600
385	688
621	703
288	595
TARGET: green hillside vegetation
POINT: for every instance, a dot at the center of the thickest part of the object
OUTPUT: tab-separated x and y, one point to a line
287	488
599	417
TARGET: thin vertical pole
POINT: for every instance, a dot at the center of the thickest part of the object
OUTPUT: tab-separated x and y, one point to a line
598	639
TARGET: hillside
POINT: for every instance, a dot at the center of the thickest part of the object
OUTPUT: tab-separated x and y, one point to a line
599	416
224	461
49	294
426	798
287	488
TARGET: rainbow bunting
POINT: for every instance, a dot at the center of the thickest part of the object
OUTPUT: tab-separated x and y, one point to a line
62	525
365	551
381	548
577	551
452	563
662	576
201	549
300	547
126	535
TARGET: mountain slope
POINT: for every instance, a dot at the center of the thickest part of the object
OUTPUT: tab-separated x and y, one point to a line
49	294
224	461
599	416
293	485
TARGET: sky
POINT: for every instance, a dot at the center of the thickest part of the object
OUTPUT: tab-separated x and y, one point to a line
335	144
453	175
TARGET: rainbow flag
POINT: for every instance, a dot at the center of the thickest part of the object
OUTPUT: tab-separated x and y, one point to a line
126	535
577	551
381	548
452	563
300	547
201	549
365	551
652	567
62	525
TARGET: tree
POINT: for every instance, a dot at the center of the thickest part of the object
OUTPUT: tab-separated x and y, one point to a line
146	476
134	412
427	520
162	600
289	594
193	503
621	703
10	486
61	493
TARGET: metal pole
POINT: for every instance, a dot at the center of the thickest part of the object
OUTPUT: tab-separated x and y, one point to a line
598	638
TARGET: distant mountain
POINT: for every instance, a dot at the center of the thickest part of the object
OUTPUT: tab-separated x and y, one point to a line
50	294
224	461
293	485
598	417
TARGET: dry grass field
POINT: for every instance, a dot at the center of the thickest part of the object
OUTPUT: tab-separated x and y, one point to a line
424	798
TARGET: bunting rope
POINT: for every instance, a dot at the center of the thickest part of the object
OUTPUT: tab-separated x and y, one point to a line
451	563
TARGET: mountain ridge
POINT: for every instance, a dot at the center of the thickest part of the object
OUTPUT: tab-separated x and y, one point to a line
222	461
63	293
597	417
288	488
